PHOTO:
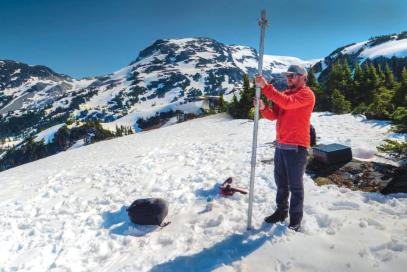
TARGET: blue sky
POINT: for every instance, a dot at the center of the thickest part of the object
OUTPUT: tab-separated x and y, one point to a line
94	37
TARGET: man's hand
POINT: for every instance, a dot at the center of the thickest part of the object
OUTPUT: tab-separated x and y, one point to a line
262	106
260	81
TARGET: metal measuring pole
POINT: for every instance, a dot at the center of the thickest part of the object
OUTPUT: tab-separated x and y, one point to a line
263	24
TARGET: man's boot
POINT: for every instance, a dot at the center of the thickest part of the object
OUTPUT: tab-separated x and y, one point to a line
277	216
295	224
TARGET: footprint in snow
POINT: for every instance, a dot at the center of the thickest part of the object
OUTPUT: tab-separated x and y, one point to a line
344	205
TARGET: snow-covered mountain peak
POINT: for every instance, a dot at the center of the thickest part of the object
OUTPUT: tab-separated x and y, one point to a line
166	76
180	49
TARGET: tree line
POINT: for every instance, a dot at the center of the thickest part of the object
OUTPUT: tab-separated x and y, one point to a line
31	149
370	89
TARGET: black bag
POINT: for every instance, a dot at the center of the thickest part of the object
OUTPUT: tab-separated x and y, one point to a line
332	153
313	136
149	211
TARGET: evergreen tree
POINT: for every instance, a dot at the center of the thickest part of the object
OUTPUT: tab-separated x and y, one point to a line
389	81
312	81
381	74
339	103
246	98
334	79
246	82
222	104
399	117
119	131
316	88
252	113
394	148
233	107
62	138
323	101
346	81
371	83
357	85
400	97
360	109
381	107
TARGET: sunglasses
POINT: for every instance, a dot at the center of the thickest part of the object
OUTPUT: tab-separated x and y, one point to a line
291	75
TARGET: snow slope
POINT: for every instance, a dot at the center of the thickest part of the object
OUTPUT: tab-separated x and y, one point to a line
396	48
67	212
380	50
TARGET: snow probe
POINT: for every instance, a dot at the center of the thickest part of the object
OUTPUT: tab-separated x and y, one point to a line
263	24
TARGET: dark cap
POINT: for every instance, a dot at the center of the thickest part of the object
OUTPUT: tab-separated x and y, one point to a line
296	69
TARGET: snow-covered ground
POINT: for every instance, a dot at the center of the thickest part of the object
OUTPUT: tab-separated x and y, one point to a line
67	212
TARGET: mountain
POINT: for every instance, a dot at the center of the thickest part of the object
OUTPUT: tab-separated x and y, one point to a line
68	212
28	94
381	50
167	76
20	83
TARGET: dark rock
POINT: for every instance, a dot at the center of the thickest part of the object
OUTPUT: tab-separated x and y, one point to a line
360	175
399	182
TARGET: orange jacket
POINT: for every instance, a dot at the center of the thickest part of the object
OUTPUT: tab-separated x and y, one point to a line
292	110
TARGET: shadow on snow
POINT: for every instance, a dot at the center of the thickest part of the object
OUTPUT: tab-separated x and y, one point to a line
225	252
119	223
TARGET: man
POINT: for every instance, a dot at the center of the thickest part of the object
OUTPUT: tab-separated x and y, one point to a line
292	109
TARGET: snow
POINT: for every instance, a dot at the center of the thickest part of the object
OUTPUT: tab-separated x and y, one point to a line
82	83
9	143
77	144
105	93
226	85
241	51
21	89
354	48
323	67
172	121
67	212
48	134
397	48
350	127
279	64
393	47
17	71
206	55
182	41
131	119
244	57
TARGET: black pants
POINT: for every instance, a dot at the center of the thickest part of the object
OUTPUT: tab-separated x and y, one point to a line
289	168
